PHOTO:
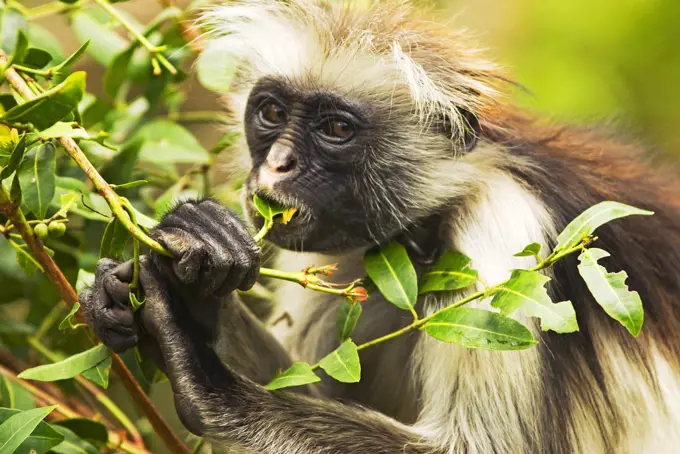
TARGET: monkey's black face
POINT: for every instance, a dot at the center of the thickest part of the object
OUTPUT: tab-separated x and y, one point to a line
308	149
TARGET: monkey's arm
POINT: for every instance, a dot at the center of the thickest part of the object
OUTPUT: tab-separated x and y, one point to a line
216	401
213	255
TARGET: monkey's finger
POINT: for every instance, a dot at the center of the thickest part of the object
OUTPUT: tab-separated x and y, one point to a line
187	249
117	283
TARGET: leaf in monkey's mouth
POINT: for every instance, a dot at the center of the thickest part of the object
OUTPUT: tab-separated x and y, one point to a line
272	210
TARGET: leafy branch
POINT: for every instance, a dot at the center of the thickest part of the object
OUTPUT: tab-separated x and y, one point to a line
52	271
392	271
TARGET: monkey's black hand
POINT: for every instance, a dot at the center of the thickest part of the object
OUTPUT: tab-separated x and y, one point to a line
213	252
106	305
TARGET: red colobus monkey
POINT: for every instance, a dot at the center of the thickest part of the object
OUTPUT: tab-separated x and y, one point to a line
375	125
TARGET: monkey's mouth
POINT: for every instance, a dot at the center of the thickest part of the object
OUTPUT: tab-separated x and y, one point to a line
286	225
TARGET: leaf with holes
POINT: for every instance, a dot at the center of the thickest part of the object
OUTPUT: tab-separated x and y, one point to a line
610	290
451	272
37	178
51	106
343	363
69	367
391	270
595	216
477	328
526	290
348	316
296	375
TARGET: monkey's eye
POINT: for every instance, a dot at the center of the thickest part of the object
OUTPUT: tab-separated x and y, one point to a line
273	114
337	129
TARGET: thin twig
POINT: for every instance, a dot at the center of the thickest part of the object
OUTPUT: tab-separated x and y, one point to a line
155	51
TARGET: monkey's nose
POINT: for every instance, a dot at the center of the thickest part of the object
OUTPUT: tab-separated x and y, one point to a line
281	159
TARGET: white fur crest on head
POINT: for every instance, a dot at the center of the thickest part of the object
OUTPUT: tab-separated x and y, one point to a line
373	50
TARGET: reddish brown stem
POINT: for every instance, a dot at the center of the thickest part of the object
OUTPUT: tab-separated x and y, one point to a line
58	279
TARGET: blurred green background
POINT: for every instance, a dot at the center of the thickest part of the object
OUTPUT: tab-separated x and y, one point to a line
581	60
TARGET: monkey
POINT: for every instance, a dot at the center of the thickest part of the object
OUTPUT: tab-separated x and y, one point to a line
378	125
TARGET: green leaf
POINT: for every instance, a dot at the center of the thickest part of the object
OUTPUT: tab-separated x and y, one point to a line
268	208
20	47
595	216
26	261
477	328
67	201
165	142
114	240
37	58
296	375
69	367
51	106
391	270
11	21
532	250
526	290
93	432
216	68
348	316
99	374
40	37
15	158
610	290
14	396
343	363
105	44
122	165
62	129
74	57
41	439
451	272
118	71
37	178
72	443
19	427
69	321
85	280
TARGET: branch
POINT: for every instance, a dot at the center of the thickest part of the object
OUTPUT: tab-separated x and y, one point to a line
68	294
155	51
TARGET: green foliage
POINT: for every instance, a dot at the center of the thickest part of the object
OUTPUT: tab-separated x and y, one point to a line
296	375
37	178
610	290
526	290
392	272
451	272
595	216
477	328
18	427
343	363
69	367
348	317
51	106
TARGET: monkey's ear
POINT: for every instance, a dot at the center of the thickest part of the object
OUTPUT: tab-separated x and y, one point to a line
472	129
